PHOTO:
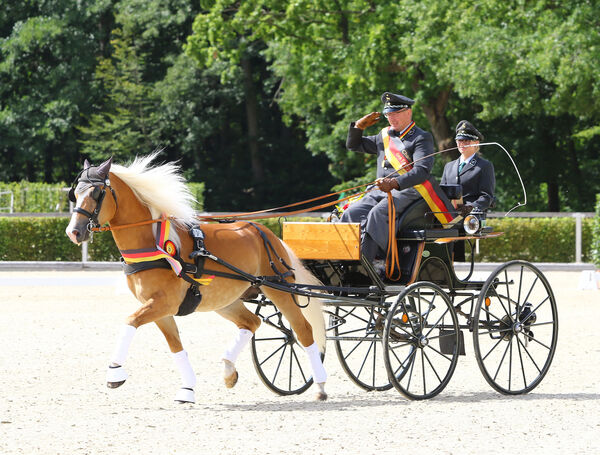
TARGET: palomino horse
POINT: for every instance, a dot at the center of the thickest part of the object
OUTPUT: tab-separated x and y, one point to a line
130	199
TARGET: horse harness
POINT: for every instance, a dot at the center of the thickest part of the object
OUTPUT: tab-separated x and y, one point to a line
99	184
192	273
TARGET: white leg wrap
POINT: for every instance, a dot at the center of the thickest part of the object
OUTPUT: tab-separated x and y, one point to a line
319	374
115	375
125	338
188	377
241	340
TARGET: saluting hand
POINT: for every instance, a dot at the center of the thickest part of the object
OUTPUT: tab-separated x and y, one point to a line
367	120
387	184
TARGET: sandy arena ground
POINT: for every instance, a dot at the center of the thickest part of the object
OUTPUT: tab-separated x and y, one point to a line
58	329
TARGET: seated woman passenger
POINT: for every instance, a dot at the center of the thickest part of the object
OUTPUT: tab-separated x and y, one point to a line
474	173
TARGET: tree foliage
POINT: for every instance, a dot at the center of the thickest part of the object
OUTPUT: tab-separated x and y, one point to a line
523	65
255	97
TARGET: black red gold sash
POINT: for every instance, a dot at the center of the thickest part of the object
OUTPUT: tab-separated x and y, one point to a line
394	154
164	249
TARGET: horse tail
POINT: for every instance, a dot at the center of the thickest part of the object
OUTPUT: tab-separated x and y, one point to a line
311	307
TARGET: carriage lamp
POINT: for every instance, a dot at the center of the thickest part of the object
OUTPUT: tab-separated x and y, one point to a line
471	224
474	222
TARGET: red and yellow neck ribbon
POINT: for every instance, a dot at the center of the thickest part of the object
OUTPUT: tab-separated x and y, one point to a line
396	154
164	249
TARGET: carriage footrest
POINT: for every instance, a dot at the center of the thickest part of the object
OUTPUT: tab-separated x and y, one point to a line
427	234
447	342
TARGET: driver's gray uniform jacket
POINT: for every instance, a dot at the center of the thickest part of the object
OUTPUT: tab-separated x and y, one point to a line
372	210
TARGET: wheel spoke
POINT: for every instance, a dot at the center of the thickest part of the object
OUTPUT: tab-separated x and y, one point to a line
530	357
423	372
437	322
432	367
358	343
535	309
279	363
274	352
440	353
506	281
365	359
299	366
488	312
522	366
270	339
374	359
502	360
510	352
519	294
493	347
531	289
403	364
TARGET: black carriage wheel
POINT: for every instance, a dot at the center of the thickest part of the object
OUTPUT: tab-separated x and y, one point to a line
278	357
515	328
421	341
357	337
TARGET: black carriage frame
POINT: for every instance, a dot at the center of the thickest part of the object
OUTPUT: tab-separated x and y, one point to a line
428	276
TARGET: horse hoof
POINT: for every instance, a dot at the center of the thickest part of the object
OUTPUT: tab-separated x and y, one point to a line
232	380
321	396
114	385
185	395
116	376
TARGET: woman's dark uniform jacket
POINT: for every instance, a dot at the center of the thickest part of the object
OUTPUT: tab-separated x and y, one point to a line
477	179
419	147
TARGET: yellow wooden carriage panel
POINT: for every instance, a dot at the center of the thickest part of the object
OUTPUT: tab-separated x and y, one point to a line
336	241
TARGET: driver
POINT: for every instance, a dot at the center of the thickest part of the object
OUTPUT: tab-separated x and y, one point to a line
404	162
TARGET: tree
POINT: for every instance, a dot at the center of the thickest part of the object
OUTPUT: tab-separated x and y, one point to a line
47	55
488	61
122	128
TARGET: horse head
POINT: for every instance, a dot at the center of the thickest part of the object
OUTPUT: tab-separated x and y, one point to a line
92	209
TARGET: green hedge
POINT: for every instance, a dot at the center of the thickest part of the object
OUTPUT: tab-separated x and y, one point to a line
532	239
595	247
31	197
44	239
535	240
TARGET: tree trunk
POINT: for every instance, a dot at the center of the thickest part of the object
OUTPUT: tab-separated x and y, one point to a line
576	170
553	201
435	110
252	120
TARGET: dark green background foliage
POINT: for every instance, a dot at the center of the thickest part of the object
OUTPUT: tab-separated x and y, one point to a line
254	97
535	239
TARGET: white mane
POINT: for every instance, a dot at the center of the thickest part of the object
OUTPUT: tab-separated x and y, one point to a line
161	188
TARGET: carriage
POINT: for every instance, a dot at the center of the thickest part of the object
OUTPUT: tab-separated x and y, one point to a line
403	334
409	334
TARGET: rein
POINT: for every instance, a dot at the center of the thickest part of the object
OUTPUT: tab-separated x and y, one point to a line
263	214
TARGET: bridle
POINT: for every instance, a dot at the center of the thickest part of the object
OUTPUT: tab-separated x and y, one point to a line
99	186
